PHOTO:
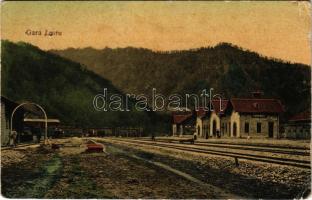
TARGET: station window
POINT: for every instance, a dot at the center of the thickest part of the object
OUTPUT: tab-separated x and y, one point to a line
246	127
258	127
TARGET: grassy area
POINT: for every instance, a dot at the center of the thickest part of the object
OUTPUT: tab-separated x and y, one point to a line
75	182
31	179
49	175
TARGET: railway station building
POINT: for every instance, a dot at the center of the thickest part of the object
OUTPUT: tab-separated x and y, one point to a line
214	122
254	117
183	123
240	117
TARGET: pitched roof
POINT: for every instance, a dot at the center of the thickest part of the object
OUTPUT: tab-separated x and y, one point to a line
179	118
257	105
219	108
303	116
8	101
27	108
201	112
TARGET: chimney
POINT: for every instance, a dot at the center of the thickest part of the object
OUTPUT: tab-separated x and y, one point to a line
257	94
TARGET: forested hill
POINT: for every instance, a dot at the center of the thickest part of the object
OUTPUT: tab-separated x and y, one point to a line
227	68
64	88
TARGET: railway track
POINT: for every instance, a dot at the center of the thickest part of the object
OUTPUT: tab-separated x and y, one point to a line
257	145
246	156
19	146
262	145
269	149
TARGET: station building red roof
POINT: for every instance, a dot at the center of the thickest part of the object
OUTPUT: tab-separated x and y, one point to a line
257	105
179	118
303	116
219	106
201	112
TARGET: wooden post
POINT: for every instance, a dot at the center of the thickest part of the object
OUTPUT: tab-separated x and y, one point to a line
236	162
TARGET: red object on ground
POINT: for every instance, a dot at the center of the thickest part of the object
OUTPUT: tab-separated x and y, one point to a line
94	148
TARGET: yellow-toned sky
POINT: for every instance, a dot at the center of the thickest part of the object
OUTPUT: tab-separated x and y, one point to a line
275	29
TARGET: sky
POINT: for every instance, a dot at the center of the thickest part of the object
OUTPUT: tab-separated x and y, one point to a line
274	29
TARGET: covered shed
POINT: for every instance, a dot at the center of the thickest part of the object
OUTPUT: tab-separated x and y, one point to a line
183	123
298	126
7	107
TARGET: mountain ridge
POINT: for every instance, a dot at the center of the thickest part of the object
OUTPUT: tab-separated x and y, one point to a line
63	87
220	44
229	69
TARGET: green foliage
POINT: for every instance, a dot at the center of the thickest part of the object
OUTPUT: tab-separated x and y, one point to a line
64	88
234	80
228	69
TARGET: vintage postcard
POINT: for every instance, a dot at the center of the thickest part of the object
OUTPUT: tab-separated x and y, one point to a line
155	99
